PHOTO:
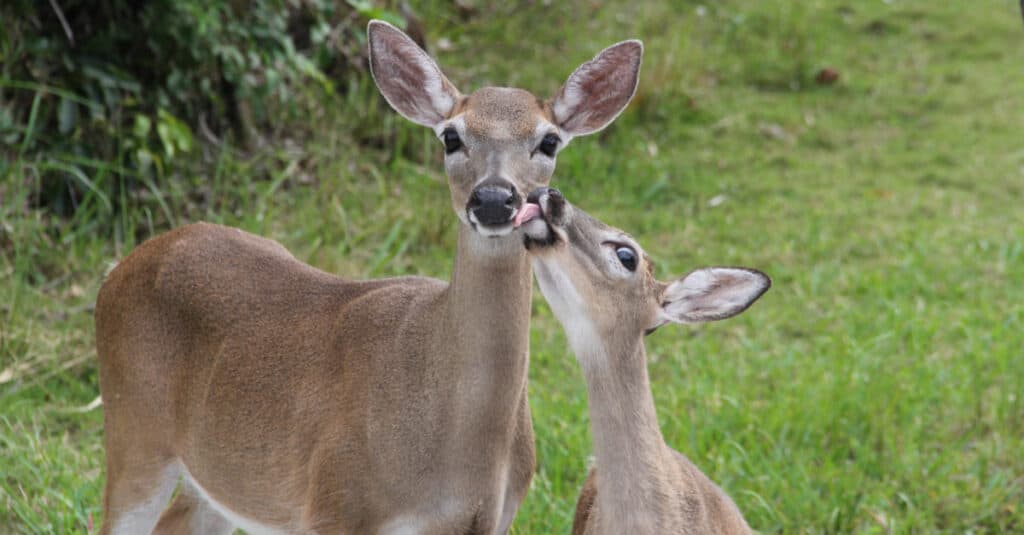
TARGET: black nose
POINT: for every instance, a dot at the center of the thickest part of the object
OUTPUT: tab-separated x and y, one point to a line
493	205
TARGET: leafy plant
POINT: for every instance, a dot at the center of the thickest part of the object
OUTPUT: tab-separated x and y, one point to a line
100	97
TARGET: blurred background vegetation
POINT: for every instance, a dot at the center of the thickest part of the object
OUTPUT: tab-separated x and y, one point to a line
109	109
866	154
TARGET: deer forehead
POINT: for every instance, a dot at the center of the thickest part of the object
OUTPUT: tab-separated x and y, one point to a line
504	113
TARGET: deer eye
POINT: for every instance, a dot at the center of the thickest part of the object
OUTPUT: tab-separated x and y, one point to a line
627	256
549	144
451	140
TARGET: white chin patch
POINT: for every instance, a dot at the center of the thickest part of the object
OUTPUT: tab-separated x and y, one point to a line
491	231
537	229
494	232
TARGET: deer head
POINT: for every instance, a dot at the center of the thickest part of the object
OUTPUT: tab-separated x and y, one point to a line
597	278
499	142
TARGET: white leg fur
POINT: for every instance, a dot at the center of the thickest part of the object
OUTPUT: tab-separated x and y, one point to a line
143	517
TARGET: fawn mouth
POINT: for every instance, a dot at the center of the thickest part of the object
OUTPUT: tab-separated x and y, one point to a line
539	216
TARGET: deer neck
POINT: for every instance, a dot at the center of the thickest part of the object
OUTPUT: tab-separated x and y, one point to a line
485	336
628	444
490	289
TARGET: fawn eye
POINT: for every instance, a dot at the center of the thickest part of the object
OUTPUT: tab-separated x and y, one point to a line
549	144
451	140
627	256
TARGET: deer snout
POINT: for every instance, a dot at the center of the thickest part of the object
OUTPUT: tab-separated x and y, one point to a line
551	202
543	217
494	203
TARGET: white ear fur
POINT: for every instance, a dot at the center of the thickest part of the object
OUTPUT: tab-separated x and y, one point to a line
408	78
598	91
711	294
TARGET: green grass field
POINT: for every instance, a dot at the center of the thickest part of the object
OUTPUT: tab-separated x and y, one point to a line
877	388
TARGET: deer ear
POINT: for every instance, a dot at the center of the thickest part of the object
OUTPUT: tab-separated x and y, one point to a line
711	294
599	90
407	77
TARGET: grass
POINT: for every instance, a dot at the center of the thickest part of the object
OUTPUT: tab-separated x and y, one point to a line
875	389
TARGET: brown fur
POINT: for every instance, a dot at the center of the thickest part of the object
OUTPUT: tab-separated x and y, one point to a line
307	403
585	503
639	485
506	111
705	510
263	376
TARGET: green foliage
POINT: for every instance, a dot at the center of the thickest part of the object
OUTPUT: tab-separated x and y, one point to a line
101	100
109	110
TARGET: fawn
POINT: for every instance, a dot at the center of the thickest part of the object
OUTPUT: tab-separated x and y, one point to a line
601	287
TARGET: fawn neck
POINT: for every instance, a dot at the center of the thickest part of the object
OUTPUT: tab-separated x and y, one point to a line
486	313
627	440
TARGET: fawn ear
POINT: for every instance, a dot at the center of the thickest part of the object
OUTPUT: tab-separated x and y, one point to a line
711	294
407	77
599	90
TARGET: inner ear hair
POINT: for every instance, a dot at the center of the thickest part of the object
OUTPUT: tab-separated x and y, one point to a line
597	92
408	77
711	294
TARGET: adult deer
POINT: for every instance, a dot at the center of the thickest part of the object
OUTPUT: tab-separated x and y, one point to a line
601	287
289	400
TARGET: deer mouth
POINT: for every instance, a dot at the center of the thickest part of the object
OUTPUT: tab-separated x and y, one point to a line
493	206
541	218
492	231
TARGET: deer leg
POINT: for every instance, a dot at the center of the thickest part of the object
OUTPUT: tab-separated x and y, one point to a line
189	513
136	491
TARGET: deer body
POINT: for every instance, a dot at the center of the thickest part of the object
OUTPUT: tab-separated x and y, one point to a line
640	484
289	400
600	286
288	348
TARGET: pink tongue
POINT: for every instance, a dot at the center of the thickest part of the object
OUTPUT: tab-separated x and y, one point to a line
528	212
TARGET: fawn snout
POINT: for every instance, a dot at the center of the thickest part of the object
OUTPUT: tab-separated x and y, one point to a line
543	217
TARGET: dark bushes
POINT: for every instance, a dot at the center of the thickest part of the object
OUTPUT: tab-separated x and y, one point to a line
102	96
